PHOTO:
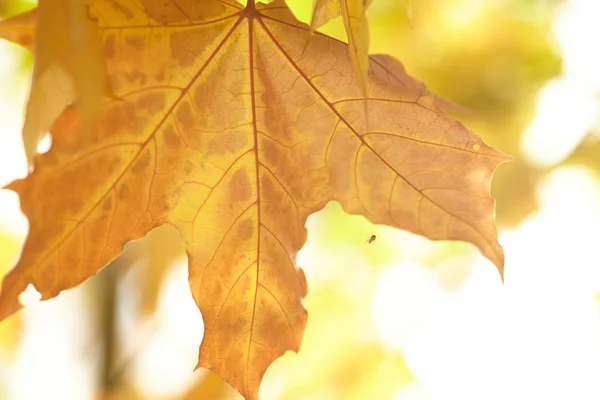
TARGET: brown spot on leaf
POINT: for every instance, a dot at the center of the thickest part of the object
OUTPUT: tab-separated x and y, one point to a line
184	114
245	229
107	204
170	137
142	162
135	76
186	46
268	189
152	102
26	40
109	46
136	41
126	12
239	186
123	192
188	167
228	142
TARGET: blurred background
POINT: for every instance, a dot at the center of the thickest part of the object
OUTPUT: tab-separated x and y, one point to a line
401	318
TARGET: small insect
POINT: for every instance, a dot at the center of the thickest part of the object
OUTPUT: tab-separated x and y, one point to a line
372	239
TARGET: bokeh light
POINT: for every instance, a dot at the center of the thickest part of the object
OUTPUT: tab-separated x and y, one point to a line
567	108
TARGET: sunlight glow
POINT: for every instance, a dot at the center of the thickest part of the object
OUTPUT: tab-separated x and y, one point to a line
45	144
411	392
55	350
459	354
568	107
13	81
405	297
13	164
461	15
172	351
552	277
536	337
565	113
30	296
575	25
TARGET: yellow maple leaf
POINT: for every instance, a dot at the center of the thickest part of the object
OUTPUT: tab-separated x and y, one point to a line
226	129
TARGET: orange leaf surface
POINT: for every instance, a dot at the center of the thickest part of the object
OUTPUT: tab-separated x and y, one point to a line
226	129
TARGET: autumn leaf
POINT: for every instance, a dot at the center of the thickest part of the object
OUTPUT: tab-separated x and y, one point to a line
353	13
228	130
69	64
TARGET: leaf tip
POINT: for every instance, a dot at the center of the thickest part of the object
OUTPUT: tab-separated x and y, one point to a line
497	257
9	303
500	267
16	186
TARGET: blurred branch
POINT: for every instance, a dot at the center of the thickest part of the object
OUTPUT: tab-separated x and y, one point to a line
107	314
113	365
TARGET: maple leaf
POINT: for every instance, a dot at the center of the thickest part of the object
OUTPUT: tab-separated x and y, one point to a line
69	64
225	128
353	13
